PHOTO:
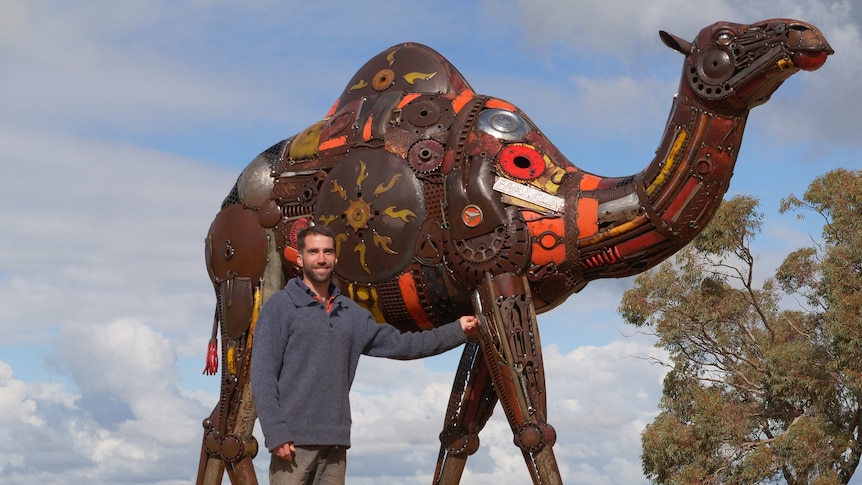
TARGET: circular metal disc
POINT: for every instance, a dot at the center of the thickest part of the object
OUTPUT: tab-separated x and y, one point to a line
374	203
255	183
503	124
425	155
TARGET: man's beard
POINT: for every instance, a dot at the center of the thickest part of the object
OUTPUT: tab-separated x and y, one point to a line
309	273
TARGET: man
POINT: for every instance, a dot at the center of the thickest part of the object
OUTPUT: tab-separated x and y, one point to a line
307	343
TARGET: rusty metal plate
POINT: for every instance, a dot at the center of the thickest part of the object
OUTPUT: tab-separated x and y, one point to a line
269	214
237	244
423	112
429	114
506	249
374	203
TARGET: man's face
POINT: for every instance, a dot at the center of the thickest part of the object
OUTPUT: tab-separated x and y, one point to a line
318	258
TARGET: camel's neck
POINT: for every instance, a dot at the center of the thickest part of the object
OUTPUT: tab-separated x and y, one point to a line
685	183
642	221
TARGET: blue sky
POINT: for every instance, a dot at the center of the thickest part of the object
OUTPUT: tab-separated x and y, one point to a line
124	124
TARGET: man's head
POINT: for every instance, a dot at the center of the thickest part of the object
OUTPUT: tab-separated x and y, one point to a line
317	258
313	230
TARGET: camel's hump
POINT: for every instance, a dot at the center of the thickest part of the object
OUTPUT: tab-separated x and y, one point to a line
408	68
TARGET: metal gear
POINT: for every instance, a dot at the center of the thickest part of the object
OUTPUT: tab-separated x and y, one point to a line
504	249
383	79
425	156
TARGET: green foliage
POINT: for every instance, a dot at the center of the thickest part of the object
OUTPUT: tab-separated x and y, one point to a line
760	390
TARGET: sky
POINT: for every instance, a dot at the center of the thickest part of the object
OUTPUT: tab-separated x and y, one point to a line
123	125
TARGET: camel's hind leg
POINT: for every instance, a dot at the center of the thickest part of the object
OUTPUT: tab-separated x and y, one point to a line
210	468
228	444
512	350
233	455
470	405
245	269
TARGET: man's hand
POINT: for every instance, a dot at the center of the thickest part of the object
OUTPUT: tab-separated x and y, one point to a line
285	451
470	325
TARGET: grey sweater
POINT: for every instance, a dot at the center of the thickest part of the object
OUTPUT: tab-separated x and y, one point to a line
304	361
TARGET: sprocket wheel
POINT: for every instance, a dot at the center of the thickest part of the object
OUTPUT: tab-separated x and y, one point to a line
425	156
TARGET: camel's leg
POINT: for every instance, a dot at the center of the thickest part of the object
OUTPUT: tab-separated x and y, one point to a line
211	466
240	452
470	405
509	337
228	443
214	464
235	252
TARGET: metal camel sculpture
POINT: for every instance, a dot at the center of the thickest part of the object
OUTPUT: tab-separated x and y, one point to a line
448	202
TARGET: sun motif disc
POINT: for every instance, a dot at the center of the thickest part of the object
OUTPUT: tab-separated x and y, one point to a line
375	205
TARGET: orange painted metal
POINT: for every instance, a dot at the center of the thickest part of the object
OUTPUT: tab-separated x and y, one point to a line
411	300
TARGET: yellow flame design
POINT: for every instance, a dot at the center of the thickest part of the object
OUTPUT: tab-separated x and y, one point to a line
411	77
338	189
399	214
386	188
383	243
363	174
326	220
391	56
360	248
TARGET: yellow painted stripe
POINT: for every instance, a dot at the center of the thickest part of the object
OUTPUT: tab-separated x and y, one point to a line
668	163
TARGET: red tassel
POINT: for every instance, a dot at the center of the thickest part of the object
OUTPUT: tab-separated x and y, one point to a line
212	358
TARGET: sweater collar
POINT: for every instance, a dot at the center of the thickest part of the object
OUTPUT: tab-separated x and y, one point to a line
307	296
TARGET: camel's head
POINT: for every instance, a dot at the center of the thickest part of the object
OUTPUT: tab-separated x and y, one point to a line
740	66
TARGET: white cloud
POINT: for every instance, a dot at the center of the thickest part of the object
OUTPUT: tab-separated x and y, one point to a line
107	67
95	225
639	99
15	400
142	378
616	27
397	420
58	436
626	29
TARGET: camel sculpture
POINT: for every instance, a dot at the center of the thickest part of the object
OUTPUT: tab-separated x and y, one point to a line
446	202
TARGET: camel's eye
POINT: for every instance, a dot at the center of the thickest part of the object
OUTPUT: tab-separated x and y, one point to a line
725	37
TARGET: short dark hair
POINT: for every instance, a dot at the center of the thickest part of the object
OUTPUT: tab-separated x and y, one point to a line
313	231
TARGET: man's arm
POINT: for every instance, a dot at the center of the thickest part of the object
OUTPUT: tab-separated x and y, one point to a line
387	341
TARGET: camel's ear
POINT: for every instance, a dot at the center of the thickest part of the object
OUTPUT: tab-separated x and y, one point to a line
676	43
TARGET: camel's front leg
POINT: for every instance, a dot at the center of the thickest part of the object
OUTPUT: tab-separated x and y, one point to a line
470	405
510	344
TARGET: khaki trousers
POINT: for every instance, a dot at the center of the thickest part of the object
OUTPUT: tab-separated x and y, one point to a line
311	465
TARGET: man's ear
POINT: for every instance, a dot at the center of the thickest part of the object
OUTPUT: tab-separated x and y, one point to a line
299	259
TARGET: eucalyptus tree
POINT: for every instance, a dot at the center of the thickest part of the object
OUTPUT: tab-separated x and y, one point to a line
765	379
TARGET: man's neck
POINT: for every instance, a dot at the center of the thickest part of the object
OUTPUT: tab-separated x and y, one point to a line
320	289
